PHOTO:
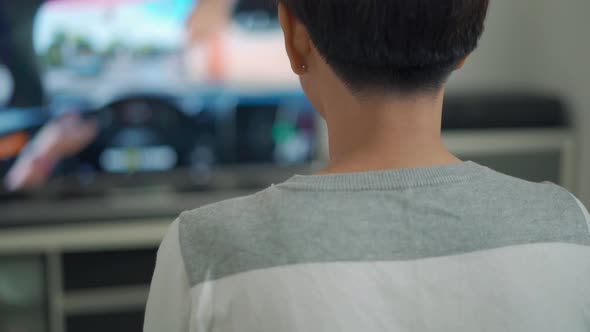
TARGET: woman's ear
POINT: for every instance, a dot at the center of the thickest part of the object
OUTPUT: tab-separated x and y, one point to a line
297	41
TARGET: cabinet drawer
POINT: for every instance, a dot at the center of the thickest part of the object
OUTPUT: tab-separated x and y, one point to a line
119	322
108	269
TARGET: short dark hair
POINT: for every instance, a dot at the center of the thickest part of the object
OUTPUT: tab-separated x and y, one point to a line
402	45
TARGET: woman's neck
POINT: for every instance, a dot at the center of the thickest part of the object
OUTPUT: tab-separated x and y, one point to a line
385	133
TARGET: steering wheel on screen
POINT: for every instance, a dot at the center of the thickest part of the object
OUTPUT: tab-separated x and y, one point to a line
6	85
140	134
132	134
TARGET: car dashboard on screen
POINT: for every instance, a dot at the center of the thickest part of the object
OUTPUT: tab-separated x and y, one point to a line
163	102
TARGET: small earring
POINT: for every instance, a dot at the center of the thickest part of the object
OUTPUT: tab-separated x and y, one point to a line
304	67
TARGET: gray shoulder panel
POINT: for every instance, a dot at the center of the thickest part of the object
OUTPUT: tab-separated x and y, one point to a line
280	227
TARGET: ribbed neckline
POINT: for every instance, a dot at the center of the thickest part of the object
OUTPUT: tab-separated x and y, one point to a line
387	180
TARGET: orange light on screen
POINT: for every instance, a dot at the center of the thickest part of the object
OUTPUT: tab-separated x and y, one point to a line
12	145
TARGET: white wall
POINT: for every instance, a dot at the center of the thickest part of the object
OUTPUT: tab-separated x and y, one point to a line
498	63
538	45
562	63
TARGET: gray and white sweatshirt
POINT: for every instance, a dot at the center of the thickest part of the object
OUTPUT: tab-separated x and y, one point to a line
450	248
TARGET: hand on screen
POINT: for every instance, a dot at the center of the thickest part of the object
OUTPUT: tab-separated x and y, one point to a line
208	19
57	140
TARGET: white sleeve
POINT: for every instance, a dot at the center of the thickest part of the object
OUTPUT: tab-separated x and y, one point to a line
584	211
169	304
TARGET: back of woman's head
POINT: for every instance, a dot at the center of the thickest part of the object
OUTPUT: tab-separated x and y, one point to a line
402	45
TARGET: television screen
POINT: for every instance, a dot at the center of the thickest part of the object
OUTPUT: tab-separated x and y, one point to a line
105	48
156	86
